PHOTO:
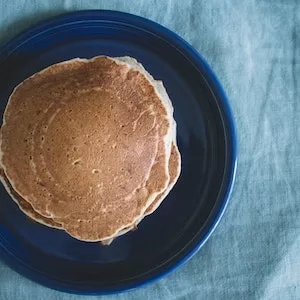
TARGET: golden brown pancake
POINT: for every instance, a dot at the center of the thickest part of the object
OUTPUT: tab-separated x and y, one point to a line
174	171
175	157
92	150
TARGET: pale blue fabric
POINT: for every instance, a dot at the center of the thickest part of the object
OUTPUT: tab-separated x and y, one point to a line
254	47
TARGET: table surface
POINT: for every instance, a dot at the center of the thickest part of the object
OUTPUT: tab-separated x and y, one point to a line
254	48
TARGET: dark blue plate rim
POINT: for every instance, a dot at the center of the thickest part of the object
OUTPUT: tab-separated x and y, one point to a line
217	90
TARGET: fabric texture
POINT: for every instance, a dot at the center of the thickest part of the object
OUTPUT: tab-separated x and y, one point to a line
254	48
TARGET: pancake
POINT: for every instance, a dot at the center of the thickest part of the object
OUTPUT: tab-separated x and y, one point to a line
174	171
59	160
149	210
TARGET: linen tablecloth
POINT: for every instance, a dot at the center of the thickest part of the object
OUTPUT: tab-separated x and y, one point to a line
254	48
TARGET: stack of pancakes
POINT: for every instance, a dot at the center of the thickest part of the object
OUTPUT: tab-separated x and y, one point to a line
89	146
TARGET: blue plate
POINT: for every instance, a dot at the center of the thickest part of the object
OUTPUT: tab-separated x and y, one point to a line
206	138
